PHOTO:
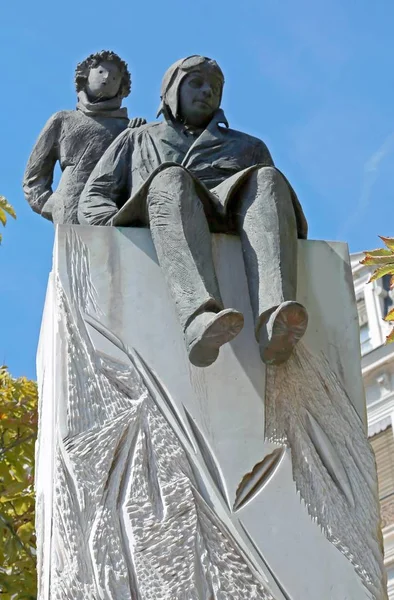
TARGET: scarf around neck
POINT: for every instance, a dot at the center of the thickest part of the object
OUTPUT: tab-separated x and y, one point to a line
104	108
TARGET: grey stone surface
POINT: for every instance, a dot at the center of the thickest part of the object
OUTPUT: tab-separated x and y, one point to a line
192	175
159	480
78	138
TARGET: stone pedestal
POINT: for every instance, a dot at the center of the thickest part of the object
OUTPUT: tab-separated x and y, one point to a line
158	480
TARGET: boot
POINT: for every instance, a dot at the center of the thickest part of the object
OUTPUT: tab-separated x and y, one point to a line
283	329
208	331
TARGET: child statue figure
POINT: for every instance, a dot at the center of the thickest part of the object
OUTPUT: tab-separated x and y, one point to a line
78	138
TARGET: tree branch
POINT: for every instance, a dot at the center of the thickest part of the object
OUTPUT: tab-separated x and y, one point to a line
16	536
16	443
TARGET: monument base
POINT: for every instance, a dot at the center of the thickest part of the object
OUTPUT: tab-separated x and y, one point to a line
159	480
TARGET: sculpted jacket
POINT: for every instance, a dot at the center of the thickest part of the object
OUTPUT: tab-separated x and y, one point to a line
77	139
219	160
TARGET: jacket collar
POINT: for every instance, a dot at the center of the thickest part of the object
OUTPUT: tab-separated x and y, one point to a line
211	136
219	118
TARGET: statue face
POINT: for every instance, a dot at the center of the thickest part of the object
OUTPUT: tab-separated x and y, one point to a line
199	97
104	81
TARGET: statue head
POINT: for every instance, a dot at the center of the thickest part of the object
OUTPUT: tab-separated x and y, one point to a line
103	75
191	90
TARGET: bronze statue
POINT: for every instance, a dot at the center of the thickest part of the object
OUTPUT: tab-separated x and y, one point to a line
191	175
78	138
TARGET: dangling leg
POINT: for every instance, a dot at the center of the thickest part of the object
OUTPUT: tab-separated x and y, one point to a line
267	226
182	240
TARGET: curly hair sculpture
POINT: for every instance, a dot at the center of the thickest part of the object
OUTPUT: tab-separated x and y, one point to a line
93	60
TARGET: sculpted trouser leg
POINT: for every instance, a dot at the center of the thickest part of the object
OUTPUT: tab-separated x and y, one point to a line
267	226
268	230
182	240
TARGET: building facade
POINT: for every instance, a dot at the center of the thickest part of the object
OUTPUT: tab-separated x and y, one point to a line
374	300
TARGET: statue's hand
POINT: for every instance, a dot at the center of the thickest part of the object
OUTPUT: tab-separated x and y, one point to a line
136	122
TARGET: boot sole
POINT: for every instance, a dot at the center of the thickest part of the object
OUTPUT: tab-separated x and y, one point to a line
289	326
222	329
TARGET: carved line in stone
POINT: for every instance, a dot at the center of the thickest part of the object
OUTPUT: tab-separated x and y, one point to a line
286	596
157	388
113	495
253	482
154	488
208	457
126	540
369	475
330	458
78	267
203	583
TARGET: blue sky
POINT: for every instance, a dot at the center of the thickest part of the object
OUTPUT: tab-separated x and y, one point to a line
313	78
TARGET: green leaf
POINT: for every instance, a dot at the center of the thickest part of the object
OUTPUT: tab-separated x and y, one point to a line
378	259
389	241
6	206
390	315
384	270
11	548
25	532
379	252
12	491
390	337
3	216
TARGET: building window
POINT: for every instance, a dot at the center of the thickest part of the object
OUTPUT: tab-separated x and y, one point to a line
383	447
365	339
365	336
387	300
362	311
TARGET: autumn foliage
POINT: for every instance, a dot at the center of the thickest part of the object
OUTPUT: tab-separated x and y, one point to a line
5	209
18	431
383	260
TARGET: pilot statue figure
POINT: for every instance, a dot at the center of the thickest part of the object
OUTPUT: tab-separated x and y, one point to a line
188	176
